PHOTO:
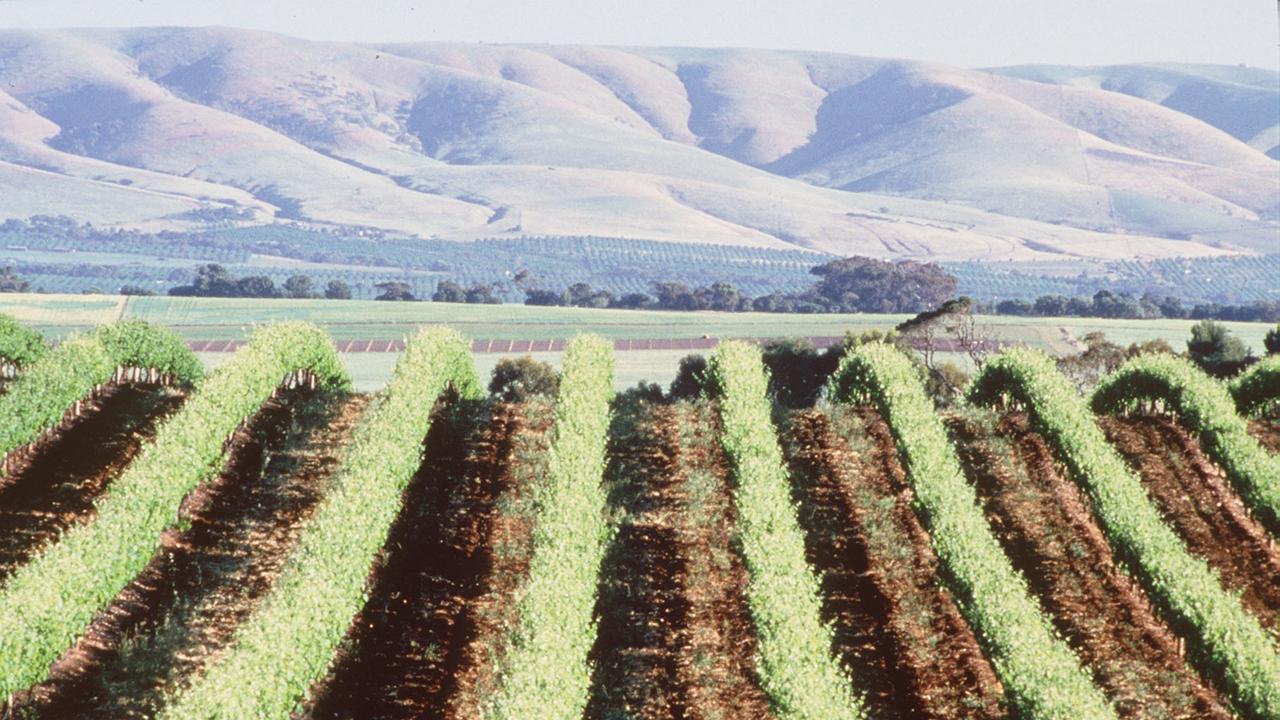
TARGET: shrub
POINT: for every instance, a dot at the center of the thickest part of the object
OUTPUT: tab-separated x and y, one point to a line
689	379
1216	350
517	380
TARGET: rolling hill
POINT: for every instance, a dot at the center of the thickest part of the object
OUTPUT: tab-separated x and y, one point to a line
172	128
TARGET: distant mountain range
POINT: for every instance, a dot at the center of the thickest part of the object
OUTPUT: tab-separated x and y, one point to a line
179	128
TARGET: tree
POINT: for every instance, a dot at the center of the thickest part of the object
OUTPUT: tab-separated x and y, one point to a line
1100	357
544	298
135	290
299	286
256	286
517	380
861	284
674	296
337	290
11	283
690	377
446	291
773	302
583	295
1216	350
1051	305
212	280
1272	341
394	291
633	301
797	371
720	296
479	294
1014	307
950	327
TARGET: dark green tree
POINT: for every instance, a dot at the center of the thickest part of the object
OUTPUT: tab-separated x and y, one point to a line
861	284
213	280
447	291
299	286
337	290
518	380
690	378
256	286
394	291
480	294
1272	341
1216	350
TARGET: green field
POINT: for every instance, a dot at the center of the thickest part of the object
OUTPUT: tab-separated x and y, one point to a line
232	318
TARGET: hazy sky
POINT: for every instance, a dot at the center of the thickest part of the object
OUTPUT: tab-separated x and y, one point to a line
967	32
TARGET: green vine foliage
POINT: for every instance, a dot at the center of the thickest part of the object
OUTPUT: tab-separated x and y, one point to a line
546	673
20	345
799	673
289	643
40	398
1207	408
1258	388
1041	675
50	600
1226	641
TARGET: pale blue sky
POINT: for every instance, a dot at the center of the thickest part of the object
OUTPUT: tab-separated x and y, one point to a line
965	32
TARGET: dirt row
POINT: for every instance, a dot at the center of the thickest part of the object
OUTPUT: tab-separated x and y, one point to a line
1267	432
896	626
1046	526
233	538
441	593
55	485
1199	503
675	637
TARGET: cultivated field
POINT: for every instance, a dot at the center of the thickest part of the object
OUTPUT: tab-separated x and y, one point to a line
201	319
264	541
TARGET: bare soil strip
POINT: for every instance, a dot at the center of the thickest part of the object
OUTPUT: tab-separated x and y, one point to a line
642	611
55	486
1047	528
718	664
896	626
209	575
407	652
493	613
675	637
1267	432
1196	497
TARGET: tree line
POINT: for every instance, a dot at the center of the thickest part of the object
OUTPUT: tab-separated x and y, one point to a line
1108	304
846	285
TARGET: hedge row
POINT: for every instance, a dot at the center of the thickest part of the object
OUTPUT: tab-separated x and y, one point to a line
1227	641
289	643
1042	677
40	399
797	668
1205	406
20	346
53	598
545	674
1258	387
